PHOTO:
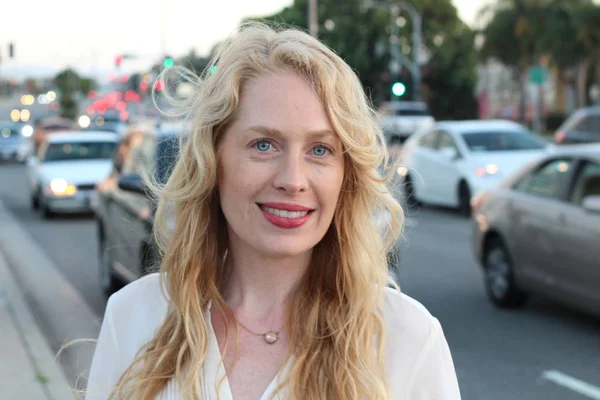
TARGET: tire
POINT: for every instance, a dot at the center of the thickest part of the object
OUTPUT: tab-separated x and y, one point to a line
500	284
45	209
35	201
108	281
464	199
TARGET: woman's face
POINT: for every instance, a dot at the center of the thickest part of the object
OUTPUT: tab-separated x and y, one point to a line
280	168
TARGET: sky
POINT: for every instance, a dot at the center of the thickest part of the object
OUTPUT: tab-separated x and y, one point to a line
50	35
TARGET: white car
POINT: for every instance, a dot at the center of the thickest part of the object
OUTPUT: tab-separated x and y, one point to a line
401	119
453	161
63	175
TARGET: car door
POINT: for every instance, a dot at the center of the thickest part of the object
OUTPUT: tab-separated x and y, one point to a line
421	168
135	208
534	211
579	245
445	170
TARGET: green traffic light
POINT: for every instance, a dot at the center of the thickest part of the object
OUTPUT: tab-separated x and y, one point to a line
168	62
398	89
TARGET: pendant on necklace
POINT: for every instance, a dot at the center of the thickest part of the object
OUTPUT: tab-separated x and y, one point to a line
271	337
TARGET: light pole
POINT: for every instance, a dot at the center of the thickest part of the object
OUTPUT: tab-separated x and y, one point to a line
393	8
313	19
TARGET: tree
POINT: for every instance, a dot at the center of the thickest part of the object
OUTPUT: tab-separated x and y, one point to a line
68	82
450	73
586	18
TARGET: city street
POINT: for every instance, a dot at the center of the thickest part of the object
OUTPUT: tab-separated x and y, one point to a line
545	351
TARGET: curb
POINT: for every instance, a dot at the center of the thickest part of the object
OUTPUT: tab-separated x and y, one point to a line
61	312
46	370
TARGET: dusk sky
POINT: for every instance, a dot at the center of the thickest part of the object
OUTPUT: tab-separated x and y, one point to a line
50	35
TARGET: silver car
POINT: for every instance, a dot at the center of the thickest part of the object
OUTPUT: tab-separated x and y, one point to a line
539	232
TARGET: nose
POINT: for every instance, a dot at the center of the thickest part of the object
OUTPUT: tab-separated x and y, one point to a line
292	174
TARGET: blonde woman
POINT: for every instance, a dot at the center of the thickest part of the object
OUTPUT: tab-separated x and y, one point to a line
273	281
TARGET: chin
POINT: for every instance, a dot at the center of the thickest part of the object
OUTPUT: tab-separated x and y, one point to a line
284	248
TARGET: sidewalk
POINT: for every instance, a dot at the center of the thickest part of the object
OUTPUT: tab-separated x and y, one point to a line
28	370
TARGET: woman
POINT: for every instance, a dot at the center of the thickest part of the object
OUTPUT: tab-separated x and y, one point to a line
272	283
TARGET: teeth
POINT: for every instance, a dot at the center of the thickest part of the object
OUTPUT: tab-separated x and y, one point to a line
285	214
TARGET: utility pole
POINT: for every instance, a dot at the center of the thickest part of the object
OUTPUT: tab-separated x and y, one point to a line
414	66
313	19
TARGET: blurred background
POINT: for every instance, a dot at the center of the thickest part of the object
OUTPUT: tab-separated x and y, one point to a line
491	106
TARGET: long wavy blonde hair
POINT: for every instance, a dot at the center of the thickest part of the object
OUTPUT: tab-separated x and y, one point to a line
336	331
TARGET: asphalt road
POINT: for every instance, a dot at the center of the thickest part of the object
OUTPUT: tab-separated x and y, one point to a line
544	352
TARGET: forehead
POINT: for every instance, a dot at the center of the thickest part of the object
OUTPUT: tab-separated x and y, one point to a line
283	101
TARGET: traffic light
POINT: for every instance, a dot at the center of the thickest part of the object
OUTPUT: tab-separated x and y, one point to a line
398	89
168	62
118	60
11	50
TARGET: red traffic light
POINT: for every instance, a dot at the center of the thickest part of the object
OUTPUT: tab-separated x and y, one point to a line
118	60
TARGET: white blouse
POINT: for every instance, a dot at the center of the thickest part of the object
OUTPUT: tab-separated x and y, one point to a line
418	361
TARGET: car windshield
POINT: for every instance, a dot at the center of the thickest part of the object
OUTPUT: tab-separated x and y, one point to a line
166	151
501	141
79	151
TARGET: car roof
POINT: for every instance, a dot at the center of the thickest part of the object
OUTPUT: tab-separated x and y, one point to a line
81	137
588	150
477	125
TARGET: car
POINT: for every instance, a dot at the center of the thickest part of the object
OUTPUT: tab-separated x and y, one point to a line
454	160
124	211
15	141
108	122
538	232
44	126
400	119
583	126
63	175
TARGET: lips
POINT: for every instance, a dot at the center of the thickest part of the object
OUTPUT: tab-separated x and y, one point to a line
285	215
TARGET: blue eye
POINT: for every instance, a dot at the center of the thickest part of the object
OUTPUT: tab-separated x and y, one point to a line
320	150
263	145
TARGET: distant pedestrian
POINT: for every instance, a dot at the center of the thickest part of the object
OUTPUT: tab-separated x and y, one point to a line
273	280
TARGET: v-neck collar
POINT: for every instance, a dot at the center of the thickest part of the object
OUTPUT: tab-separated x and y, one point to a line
215	375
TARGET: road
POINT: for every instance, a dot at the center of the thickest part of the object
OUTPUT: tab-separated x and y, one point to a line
499	355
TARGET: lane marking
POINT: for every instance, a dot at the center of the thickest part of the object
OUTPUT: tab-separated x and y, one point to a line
574	384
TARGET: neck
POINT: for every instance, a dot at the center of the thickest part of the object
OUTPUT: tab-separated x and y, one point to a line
259	288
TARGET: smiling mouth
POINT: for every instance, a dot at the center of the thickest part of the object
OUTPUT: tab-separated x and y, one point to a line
285	213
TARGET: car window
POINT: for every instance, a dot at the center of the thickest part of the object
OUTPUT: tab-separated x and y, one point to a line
137	159
587	182
589	124
446	141
428	140
501	141
79	151
548	181
122	160
167	150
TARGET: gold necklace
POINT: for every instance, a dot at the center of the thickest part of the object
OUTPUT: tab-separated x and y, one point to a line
270	337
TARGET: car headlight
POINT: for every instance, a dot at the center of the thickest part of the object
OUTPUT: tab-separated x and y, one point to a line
61	187
27	131
488	170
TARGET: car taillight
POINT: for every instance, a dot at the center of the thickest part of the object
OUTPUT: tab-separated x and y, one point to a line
559	137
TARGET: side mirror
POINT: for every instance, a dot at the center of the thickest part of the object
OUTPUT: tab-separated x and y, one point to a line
592	203
132	183
449	153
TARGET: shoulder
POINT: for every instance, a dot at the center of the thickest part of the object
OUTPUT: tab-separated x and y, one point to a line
406	317
137	310
418	360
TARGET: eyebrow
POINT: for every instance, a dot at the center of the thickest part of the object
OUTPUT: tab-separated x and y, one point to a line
322	133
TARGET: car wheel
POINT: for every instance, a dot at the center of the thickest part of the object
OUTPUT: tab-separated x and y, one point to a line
499	277
464	199
108	281
45	209
35	201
